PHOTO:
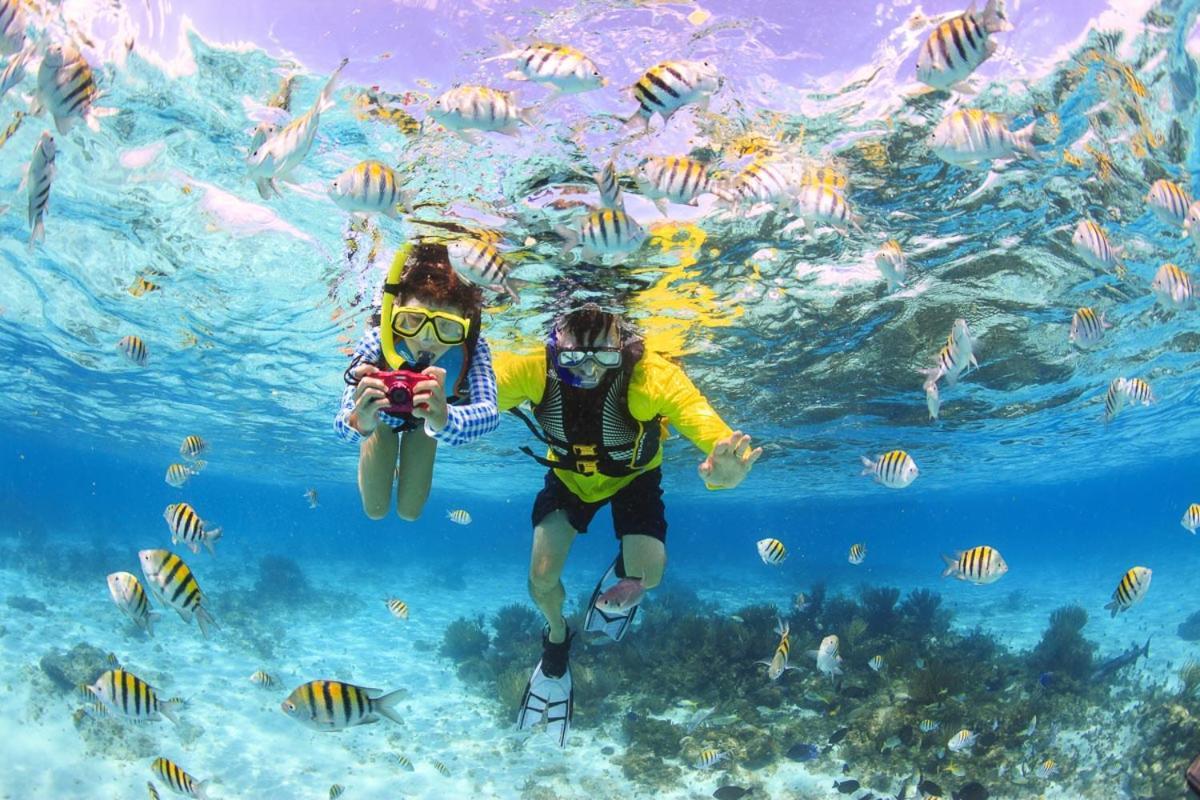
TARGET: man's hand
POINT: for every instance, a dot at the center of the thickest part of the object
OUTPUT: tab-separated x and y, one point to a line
729	462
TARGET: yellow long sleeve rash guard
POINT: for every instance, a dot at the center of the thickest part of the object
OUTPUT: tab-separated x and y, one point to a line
657	387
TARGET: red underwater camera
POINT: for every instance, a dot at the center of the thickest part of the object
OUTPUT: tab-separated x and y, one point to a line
400	386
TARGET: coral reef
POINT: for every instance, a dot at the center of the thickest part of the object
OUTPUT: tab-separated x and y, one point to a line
281	581
1189	629
1064	652
465	639
879	607
67	670
27	605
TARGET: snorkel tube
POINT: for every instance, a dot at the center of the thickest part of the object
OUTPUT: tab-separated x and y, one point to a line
387	339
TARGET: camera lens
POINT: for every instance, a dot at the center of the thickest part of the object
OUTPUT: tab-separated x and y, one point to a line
399	396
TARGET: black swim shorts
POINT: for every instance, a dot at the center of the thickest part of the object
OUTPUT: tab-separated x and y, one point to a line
636	508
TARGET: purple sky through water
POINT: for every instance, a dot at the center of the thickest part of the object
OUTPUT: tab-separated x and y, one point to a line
428	37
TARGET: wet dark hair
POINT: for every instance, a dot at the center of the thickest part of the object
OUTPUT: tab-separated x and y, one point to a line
589	321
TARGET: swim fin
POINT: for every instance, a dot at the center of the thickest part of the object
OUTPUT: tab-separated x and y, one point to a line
612	624
548	700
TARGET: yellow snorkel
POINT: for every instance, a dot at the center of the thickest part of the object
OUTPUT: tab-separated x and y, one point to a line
387	340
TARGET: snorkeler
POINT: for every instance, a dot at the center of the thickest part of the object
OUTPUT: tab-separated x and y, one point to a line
428	325
601	402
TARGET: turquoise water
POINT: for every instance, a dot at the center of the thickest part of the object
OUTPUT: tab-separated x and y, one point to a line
793	336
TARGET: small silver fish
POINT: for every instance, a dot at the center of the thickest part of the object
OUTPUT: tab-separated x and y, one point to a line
1172	287
557	65
1169	201
38	178
1088	327
892	264
933	399
1092	245
311	496
972	139
12	26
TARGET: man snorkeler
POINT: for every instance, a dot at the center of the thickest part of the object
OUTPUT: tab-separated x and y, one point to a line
601	402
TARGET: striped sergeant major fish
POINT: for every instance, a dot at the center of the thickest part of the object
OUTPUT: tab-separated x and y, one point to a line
564	68
818	206
761	181
174	585
333	705
152	790
179	780
14	73
979	565
1169	201
669	86
892	264
964	740
264	679
482	264
1114	399
179	474
281	151
187	527
134	349
125	694
1191	518
1172	287
1092	245
193	446
778	663
828	660
66	87
1130	591
399	608
336	791
459	516
894	469
479	108
38	178
710	757
956	355
7	133
130	597
972	139
958	46
672	179
771	551
12	27
609	186
1087	327
1191	223
441	768
606	233
857	554
827	176
370	187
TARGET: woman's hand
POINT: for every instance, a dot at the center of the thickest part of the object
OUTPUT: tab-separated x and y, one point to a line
729	462
370	395
429	399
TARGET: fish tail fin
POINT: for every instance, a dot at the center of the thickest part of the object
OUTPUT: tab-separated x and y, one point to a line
325	101
1112	608
201	790
266	187
1023	138
151	618
868	466
633	120
205	620
38	234
512	75
385	705
530	115
508	49
951	565
510	290
994	18
211	539
570	238
167	709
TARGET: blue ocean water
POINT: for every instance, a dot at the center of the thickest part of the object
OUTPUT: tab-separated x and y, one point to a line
792	336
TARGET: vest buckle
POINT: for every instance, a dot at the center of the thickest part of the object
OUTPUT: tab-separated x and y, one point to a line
586	458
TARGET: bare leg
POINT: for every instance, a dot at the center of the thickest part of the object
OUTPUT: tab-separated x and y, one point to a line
415	473
645	558
552	540
376	465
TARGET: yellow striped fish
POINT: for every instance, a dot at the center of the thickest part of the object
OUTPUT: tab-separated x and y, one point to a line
193	446
1191	518
1172	287
558	65
174	585
958	46
820	205
334	705
607	233
1114	399
187	527
667	87
760	181
178	474
480	263
405	762
14	73
826	176
1046	769
479	108
141	286
1088	327
279	152
336	791
12	26
264	679
1130	591
858	553
964	740
38	179
134	349
928	725
894	469
178	780
778	663
152	790
672	179
771	551
441	768
130	597
1138	391
399	608
459	517
892	264
370	187
67	88
1092	245
127	695
876	663
1169	201
978	565
710	757
18	118
972	139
